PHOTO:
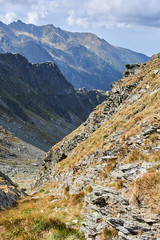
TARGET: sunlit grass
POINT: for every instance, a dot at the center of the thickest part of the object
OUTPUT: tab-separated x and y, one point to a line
145	191
39	218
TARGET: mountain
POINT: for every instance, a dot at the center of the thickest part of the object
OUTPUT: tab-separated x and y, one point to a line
104	178
37	103
102	181
85	60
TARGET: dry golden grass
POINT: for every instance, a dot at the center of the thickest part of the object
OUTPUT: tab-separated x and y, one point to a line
134	156
145	191
86	147
138	156
108	233
76	199
118	184
38	218
153	139
88	189
111	164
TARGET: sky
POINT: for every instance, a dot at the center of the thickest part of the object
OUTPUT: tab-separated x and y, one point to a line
133	24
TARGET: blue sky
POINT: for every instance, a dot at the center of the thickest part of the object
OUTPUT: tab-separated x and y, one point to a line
133	24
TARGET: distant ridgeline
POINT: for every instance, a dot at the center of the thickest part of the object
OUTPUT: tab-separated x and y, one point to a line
84	59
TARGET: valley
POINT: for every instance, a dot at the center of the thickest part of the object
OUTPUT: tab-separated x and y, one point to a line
102	180
38	107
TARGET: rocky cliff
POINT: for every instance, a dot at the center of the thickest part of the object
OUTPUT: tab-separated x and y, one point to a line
113	160
84	59
38	104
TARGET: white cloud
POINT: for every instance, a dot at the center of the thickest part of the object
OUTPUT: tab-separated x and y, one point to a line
73	20
37	12
32	17
9	17
84	13
119	13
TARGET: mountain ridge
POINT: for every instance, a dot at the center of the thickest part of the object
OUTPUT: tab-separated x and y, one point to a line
84	59
38	94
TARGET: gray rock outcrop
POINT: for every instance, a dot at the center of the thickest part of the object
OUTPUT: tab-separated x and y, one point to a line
128	221
9	192
132	69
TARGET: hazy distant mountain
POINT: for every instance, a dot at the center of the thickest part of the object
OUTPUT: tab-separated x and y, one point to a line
84	59
38	104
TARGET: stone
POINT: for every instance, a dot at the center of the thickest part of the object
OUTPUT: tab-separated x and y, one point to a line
155	72
132	69
151	129
9	192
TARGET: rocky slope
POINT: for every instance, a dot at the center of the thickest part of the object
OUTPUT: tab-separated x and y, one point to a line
9	192
38	107
84	59
111	163
38	104
18	159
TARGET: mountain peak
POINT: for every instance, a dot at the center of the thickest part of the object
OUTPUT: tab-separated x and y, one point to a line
18	22
92	62
41	89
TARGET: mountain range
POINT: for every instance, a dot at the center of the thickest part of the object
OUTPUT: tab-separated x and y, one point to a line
85	59
100	177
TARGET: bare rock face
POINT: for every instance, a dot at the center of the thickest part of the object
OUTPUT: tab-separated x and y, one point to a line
9	192
132	69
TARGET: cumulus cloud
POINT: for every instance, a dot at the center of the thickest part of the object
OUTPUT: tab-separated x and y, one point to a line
32	17
9	17
85	13
121	13
36	13
73	20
